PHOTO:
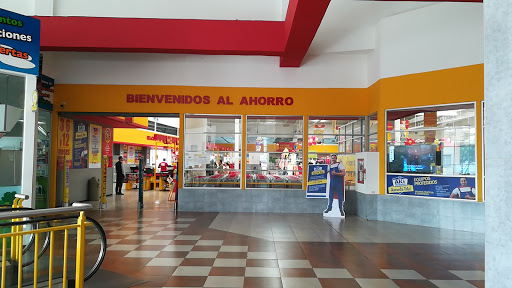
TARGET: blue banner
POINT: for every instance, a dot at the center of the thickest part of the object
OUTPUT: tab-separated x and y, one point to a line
19	42
80	145
459	187
317	181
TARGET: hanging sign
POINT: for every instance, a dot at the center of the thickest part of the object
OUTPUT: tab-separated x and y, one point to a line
94	146
19	42
80	143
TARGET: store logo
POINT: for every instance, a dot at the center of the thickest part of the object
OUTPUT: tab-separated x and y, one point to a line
16	58
400	181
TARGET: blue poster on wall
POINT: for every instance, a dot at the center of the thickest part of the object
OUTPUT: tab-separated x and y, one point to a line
460	187
80	145
317	181
19	42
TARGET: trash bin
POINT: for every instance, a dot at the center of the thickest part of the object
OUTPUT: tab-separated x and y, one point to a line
94	189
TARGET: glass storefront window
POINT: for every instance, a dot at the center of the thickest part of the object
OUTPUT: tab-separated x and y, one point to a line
213	147
373	133
12	97
274	152
433	140
341	135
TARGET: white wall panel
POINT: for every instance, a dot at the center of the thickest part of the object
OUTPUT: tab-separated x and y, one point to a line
323	71
173	9
436	37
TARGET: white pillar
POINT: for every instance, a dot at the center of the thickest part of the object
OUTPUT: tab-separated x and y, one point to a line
28	170
498	151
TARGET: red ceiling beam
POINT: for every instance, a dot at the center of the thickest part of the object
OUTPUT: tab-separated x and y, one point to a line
302	21
211	37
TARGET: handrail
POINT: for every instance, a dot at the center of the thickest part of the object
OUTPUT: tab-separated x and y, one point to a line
45	212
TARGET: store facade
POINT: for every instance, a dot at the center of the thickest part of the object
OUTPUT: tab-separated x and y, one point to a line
244	149
19	67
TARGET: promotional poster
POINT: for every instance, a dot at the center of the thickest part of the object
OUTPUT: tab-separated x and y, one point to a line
64	142
131	155
460	187
317	181
80	145
95	146
108	145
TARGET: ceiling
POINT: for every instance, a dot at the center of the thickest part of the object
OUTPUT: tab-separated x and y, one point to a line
290	29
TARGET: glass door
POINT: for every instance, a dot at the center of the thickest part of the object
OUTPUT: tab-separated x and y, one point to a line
44	126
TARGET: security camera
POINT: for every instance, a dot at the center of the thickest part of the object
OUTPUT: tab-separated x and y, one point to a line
62	105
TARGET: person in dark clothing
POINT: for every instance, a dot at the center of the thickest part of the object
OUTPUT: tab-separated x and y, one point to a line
119	176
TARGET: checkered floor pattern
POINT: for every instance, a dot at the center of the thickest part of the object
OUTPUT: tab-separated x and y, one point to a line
179	253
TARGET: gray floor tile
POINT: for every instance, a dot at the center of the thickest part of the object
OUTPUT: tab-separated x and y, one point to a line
262	272
202	254
469	274
142	254
234	249
165	262
376	283
209	243
121	247
332	273
402	274
224	281
230	262
452	284
192	271
188	237
261	255
289	282
157	242
294	264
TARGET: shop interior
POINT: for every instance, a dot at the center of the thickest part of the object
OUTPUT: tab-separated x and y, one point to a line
94	144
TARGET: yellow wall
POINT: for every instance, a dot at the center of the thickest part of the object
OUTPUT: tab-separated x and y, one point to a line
463	84
456	85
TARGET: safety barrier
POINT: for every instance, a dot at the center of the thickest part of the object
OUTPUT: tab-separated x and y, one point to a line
20	216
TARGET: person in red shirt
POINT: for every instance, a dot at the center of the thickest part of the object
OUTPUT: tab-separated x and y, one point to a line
163	166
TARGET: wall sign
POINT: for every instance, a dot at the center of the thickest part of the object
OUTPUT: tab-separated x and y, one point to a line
460	187
95	133
208	100
19	42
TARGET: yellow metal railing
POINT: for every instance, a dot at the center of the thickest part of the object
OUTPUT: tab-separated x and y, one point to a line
16	238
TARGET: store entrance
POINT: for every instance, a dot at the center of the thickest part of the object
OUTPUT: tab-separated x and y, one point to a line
90	145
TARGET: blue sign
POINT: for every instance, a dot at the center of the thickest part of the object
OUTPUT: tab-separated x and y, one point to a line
459	187
317	181
80	142
19	42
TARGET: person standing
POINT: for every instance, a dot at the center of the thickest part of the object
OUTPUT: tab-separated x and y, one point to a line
336	185
163	166
119	176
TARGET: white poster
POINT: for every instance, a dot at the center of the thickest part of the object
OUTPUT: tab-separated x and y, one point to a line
131	155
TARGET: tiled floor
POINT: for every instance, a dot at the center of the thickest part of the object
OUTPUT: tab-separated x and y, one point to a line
187	249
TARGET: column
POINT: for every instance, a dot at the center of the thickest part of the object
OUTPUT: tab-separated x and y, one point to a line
498	142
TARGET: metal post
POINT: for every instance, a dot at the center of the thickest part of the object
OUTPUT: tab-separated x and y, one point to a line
141	184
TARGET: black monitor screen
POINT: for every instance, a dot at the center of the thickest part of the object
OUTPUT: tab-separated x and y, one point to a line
411	159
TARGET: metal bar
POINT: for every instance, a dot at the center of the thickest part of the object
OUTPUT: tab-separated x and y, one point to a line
44	230
80	252
4	259
50	273
36	258
65	266
44	212
20	260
